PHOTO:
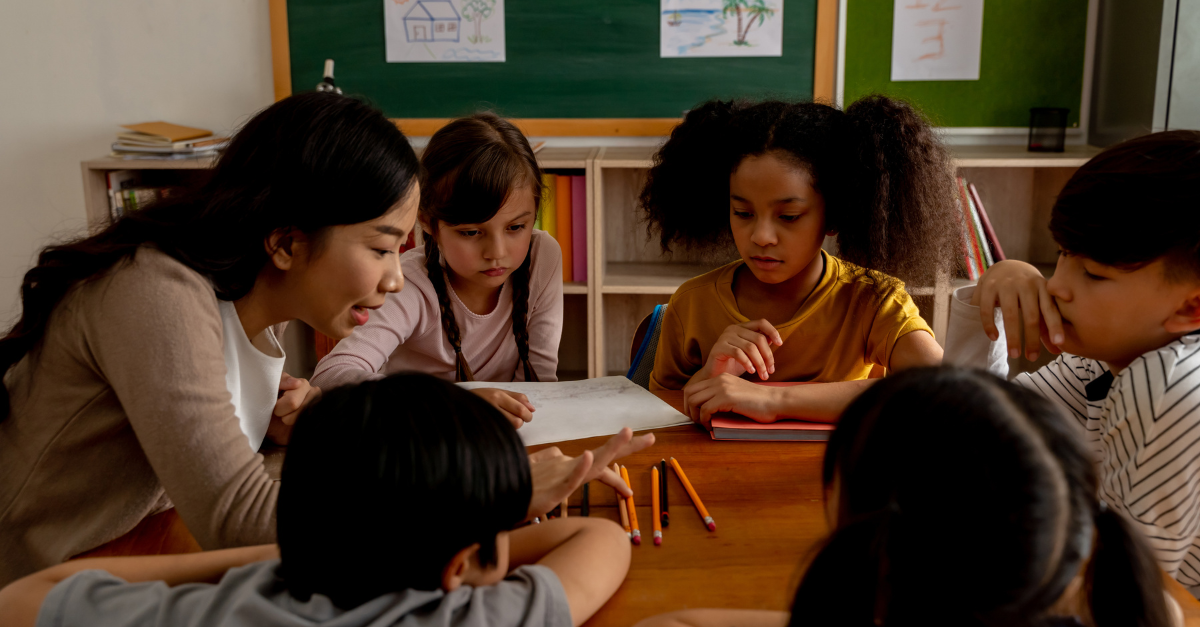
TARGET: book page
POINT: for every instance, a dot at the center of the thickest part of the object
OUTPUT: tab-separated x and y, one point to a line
572	410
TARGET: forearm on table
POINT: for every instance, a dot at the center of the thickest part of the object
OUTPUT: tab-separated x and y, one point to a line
717	618
822	402
590	556
21	600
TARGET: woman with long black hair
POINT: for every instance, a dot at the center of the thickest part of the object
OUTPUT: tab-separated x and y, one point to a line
115	402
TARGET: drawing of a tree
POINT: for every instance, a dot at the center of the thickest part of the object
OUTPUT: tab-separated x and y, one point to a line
477	11
752	10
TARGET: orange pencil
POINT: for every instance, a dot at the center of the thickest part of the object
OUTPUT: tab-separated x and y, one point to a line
656	521
621	506
637	535
687	485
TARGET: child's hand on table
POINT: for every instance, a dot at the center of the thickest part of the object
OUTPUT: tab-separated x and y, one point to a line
1019	289
744	348
513	405
702	399
294	395
556	476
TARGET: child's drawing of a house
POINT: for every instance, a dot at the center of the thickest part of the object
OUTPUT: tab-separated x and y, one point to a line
432	20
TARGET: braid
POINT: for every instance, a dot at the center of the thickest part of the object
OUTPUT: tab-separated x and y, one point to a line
437	276
520	298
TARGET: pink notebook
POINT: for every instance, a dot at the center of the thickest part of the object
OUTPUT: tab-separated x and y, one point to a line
579	229
729	426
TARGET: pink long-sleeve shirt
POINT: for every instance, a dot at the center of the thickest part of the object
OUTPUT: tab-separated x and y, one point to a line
406	332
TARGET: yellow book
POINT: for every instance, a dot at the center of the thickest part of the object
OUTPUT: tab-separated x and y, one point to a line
548	209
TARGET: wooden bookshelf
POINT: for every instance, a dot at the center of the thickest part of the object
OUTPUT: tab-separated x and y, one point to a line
628	274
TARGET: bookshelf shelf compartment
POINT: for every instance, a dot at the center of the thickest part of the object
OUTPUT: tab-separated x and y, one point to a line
648	278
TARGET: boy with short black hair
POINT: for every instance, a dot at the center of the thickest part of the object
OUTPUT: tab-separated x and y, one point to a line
1122	308
396	506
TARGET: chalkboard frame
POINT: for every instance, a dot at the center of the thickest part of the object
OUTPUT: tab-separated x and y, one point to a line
825	56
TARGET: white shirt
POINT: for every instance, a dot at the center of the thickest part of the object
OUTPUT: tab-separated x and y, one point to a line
1142	427
251	375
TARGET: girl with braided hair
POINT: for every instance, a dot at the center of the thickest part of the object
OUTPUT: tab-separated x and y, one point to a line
775	179
485	295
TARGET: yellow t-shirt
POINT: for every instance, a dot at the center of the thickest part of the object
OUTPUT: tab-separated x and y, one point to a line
849	323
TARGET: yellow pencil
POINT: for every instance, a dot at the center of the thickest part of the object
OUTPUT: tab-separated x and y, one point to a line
687	485
637	535
621	506
657	523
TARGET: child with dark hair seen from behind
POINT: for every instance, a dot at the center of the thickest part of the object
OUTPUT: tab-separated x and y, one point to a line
774	179
385	517
1123	309
1002	526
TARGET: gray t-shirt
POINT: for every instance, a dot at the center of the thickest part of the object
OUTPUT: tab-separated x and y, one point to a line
252	596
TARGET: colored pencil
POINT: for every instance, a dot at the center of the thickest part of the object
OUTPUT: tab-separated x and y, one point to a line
687	485
621	506
655	488
629	505
585	507
662	487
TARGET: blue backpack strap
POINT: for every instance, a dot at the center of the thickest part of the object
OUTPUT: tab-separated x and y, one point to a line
648	341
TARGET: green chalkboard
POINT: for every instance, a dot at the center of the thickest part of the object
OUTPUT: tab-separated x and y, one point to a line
1033	52
565	59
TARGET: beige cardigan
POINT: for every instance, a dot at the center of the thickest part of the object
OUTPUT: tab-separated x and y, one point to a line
122	412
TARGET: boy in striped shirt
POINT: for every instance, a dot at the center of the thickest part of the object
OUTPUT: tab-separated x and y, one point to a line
1122	310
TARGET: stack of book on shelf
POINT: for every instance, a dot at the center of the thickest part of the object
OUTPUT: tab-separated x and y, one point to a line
563	214
162	140
127	191
980	247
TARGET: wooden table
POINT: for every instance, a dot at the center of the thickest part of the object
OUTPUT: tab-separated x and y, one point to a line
766	498
767	501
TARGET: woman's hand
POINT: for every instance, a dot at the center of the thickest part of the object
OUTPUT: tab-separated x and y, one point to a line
556	476
702	399
513	405
294	395
1019	289
744	348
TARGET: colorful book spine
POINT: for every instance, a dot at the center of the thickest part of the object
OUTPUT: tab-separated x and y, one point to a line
548	210
579	228
978	224
993	241
562	202
975	266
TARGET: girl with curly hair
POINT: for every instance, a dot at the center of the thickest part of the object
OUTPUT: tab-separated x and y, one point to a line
775	178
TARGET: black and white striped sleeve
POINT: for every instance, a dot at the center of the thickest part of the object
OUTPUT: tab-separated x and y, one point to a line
1152	454
1064	381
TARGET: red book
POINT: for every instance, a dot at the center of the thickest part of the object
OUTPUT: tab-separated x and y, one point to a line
579	266
997	252
729	426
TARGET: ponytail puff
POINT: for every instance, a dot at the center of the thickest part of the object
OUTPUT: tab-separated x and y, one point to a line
1124	579
437	276
902	197
686	196
520	301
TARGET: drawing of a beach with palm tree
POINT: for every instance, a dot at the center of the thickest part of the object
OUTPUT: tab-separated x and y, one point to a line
721	28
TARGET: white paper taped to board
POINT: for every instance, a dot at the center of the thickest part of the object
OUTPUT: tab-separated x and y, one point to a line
444	31
572	410
937	40
720	28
